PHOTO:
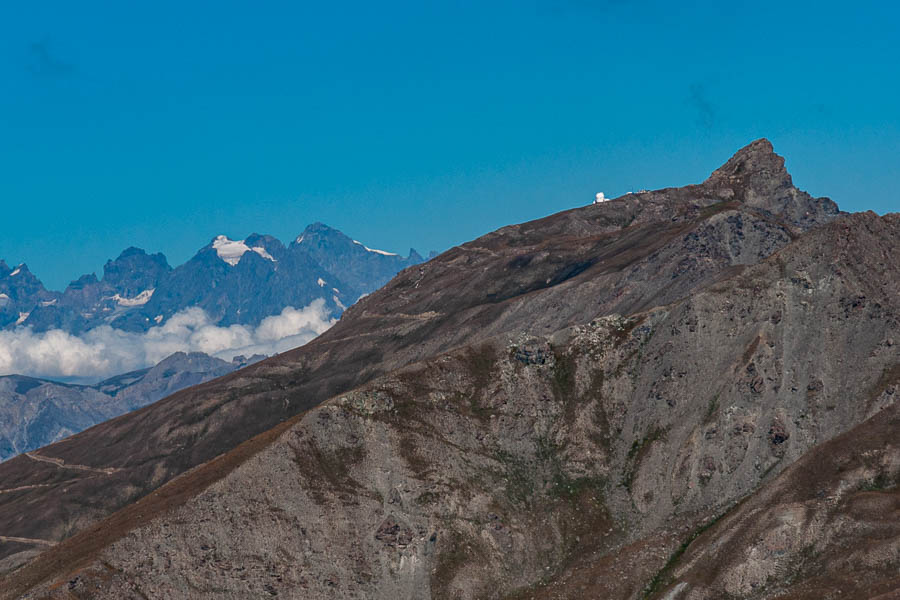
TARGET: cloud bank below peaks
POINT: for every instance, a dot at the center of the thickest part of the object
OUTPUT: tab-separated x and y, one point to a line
103	352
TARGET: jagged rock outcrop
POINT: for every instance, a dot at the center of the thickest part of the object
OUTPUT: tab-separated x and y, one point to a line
20	293
559	409
756	176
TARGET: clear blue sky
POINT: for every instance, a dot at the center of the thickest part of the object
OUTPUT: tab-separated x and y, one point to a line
415	124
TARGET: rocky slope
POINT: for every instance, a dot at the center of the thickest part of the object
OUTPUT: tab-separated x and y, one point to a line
558	409
578	464
36	412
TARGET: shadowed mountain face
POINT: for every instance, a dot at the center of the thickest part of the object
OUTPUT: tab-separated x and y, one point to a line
37	412
557	409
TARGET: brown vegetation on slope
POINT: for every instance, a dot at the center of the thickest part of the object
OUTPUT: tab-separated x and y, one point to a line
590	463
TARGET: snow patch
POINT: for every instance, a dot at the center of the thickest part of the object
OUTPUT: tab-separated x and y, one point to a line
262	252
158	319
139	300
16	272
321	282
382	252
231	251
48	302
22	317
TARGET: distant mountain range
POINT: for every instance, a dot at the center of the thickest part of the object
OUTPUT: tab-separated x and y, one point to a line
36	412
234	281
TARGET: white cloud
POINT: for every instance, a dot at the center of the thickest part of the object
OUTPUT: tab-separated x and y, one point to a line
104	351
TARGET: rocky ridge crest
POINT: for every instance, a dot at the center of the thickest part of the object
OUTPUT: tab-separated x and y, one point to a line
559	409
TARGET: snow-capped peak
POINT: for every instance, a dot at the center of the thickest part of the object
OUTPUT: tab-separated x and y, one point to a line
382	252
231	251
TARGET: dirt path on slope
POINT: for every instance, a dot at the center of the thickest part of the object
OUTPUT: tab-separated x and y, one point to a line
62	465
26	487
21	540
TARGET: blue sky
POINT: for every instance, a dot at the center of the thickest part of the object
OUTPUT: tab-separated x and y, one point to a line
415	124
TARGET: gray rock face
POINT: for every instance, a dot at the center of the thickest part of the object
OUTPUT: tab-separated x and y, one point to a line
559	409
135	271
88	302
756	176
37	412
483	471
20	293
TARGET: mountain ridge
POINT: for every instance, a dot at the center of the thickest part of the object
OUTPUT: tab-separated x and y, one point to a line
540	368
529	355
139	290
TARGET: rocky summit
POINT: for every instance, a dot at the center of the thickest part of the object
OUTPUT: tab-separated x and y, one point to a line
681	394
